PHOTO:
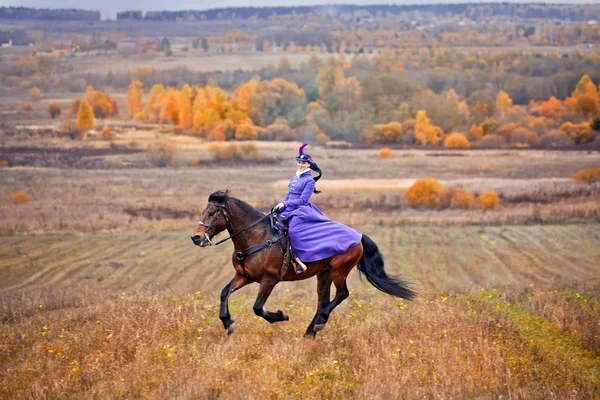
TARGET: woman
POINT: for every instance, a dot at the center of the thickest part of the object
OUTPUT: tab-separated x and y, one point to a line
313	235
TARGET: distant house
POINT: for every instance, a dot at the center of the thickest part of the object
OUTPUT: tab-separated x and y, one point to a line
150	45
7	45
62	46
128	46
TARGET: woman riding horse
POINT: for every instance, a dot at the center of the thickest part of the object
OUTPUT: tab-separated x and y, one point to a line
332	250
313	235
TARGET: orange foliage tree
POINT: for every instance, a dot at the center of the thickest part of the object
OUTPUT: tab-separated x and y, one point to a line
246	132
85	117
386	152
424	192
462	199
476	132
36	94
488	200
588	175
135	101
425	133
155	102
456	141
385	133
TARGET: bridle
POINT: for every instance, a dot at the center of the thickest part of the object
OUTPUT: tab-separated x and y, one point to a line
209	227
222	209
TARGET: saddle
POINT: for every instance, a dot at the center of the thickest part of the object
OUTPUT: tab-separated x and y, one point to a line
280	228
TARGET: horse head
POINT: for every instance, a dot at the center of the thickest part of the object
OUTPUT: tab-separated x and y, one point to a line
214	220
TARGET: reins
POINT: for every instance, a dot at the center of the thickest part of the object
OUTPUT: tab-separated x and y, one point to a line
243	229
240	255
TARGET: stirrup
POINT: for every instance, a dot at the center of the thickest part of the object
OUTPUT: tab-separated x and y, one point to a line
300	267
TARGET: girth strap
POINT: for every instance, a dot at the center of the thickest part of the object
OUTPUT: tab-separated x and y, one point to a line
241	255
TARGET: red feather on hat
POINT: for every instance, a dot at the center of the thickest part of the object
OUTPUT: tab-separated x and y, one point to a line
301	149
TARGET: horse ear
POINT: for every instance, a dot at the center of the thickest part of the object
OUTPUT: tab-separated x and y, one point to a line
301	149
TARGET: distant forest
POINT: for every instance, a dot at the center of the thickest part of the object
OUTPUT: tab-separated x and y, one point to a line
474	11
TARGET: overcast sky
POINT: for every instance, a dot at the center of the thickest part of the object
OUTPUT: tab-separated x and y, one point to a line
109	8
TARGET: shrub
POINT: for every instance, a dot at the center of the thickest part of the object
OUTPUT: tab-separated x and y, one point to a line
27	106
588	175
54	110
476	132
106	133
456	141
3	163
424	192
488	200
446	196
67	127
36	94
523	137
386	152
140	116
19	198
279	131
235	151
385	133
462	199
85	117
555	138
489	126
245	132
492	142
161	154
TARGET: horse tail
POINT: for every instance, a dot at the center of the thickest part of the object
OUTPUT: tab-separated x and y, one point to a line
371	265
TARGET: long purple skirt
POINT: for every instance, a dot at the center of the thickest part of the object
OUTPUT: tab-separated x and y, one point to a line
315	237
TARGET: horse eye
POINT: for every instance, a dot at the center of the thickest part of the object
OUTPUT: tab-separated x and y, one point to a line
210	214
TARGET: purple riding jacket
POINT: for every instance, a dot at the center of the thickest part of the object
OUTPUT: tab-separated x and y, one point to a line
313	235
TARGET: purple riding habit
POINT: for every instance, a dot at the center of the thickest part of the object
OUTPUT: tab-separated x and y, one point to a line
313	235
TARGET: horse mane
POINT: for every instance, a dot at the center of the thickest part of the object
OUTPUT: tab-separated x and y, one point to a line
221	196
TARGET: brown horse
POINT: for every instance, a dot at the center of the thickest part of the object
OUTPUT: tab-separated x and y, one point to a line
258	257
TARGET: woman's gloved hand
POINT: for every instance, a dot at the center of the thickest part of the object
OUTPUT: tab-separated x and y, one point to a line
279	206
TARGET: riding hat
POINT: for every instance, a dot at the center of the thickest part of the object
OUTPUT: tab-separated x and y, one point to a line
302	156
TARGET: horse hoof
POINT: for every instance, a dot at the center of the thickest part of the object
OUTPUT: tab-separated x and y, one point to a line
284	316
310	335
319	327
231	329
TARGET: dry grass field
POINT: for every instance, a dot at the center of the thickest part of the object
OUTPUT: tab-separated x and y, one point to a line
193	60
103	295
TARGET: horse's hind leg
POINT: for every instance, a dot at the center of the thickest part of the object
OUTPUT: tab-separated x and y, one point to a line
266	287
341	294
324	292
236	283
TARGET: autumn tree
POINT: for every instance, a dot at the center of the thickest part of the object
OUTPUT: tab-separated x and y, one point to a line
503	103
425	133
329	78
424	192
185	107
54	110
170	109
456	141
585	99
476	132
36	94
85	117
155	102
245	132
135	102
385	133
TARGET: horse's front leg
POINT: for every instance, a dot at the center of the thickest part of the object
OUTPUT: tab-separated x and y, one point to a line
238	282
266	287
